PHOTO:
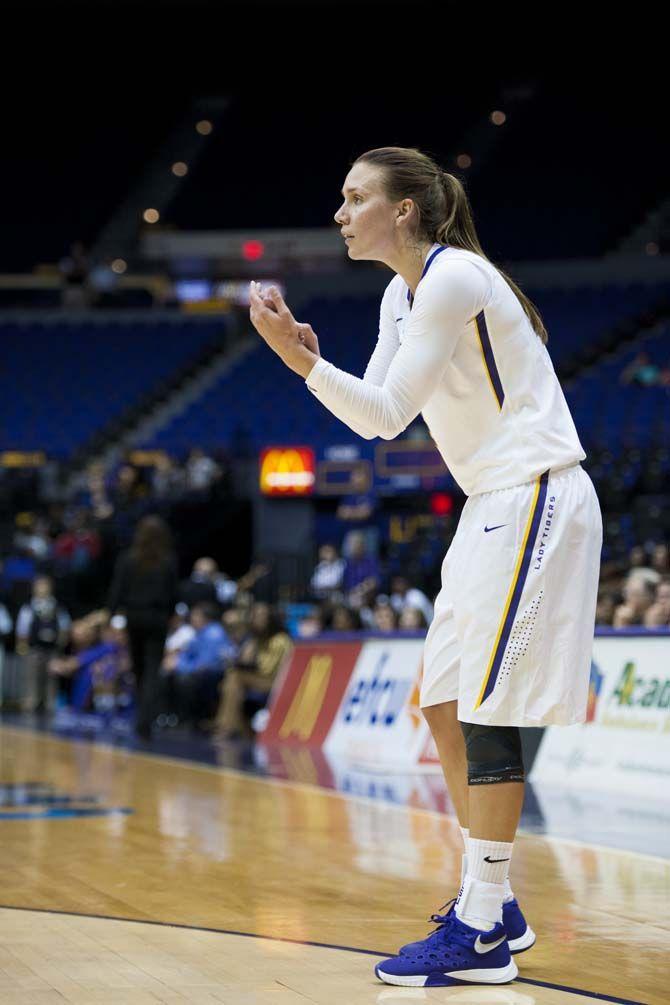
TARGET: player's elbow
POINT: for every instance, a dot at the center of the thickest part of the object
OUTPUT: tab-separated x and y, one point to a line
390	432
391	428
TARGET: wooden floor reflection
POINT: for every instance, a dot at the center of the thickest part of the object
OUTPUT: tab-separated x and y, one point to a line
113	834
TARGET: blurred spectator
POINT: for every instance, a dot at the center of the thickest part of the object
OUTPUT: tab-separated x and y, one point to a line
658	614
6	627
638	596
364	600
207	582
606	608
201	471
74	272
128	488
343	619
42	631
79	544
311	624
660	559
624	617
200	666
100	661
640	568
201	586
32	536
168	480
637	556
144	588
236	623
412	618
361	569
259	660
403	595
181	631
641	370
326	581
385	618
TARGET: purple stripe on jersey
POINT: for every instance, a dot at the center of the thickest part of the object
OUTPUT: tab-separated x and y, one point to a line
428	264
518	588
483	332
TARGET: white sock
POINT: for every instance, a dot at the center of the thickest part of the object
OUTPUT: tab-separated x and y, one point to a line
464	857
479	903
481	897
508	892
489	860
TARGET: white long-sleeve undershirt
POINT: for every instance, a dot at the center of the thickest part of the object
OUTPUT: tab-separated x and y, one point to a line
401	377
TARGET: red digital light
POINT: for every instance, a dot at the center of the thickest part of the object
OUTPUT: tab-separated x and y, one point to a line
253	250
441	503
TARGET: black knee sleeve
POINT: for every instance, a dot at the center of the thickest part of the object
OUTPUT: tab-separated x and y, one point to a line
494	753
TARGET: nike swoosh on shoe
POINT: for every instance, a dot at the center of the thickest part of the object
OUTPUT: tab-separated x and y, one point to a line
486	947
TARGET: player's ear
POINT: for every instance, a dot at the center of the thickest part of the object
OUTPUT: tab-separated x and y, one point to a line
404	209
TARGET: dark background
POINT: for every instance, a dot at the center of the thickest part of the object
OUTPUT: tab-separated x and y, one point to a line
90	91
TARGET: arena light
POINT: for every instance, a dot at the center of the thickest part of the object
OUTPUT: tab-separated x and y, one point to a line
464	160
441	503
204	127
498	118
119	266
253	250
179	168
151	216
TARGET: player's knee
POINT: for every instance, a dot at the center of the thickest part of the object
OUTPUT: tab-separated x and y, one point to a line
493	753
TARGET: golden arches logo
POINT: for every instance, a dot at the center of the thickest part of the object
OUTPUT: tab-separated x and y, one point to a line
301	718
287	471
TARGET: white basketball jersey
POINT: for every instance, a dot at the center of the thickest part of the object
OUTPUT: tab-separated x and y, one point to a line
463	353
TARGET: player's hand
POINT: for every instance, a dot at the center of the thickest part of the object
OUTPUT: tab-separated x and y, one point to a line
280	330
308	337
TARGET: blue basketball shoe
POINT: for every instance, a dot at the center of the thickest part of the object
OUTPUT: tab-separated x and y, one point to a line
520	936
454	954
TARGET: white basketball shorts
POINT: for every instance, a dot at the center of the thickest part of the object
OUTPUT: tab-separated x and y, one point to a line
512	634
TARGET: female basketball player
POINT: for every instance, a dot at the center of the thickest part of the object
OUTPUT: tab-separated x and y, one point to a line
510	643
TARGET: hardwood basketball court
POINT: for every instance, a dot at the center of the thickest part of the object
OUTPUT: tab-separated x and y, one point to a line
135	878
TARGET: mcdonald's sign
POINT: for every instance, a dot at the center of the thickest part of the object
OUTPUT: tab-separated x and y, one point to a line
287	471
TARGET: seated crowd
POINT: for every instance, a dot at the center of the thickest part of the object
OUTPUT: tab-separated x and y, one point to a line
224	645
219	662
638	595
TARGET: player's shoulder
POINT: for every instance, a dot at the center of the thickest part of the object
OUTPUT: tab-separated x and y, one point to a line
462	260
461	266
394	287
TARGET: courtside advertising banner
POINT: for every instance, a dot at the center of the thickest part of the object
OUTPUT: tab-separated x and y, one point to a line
625	744
377	721
308	694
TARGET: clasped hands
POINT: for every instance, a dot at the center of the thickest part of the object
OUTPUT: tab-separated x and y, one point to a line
294	342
